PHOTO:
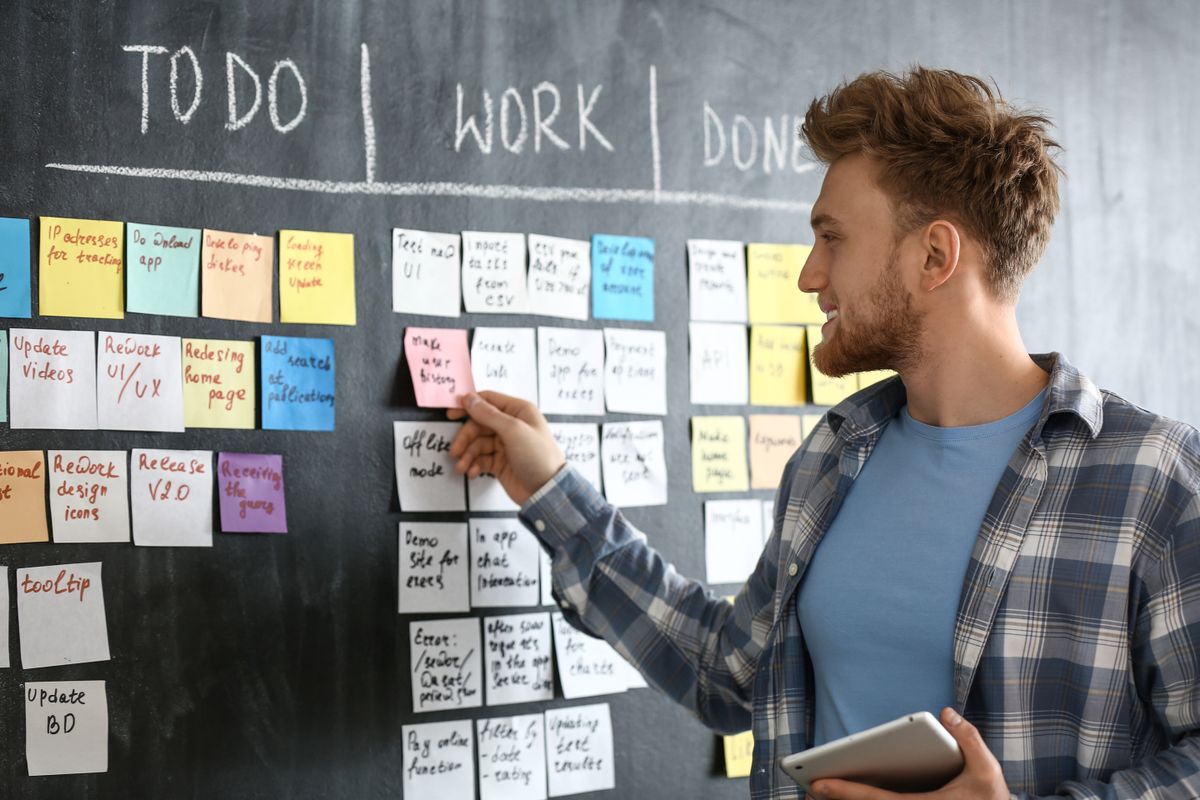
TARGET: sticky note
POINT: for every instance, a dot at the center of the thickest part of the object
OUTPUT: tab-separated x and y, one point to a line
89	495
218	384
635	371
826	390
773	440
439	364
777	365
438	760
516	661
14	268
808	422
718	363
60	615
580	444
560	277
425	273
425	476
139	382
485	493
81	268
171	492
23	497
579	747
716	280
732	539
433	567
163	270
505	360
504	563
512	757
622	277
52	379
768	517
587	666
772	285
3	376
739	753
250	492
316	277
493	273
66	727
298	384
719	454
547	577
236	276
571	371
445	664
872	377
634	465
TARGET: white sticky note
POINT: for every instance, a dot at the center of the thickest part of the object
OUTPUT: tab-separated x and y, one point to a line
635	371
433	567
560	276
580	443
439	760
720	368
571	371
172	497
635	468
579	747
716	280
66	727
425	273
493	273
504	563
516	658
5	658
139	382
425	476
89	495
486	494
733	539
505	360
547	576
587	666
52	379
768	520
60	613
512	757
445	662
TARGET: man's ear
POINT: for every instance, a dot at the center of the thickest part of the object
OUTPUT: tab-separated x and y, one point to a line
941	245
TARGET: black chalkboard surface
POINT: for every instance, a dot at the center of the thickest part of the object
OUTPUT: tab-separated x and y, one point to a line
276	666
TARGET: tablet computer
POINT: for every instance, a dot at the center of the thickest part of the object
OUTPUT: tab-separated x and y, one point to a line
911	754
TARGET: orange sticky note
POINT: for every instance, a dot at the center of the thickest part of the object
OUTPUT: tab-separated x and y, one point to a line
777	365
773	439
235	276
316	277
23	497
81	268
772	275
218	384
440	365
827	391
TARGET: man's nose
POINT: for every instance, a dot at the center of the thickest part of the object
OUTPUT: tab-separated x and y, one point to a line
812	274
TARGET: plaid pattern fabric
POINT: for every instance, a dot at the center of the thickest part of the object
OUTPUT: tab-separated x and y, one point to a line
1077	639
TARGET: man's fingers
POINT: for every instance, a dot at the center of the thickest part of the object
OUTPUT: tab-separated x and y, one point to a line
483	445
485	413
469	432
833	789
480	465
967	736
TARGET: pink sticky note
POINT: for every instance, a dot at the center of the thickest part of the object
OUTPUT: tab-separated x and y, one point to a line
440	365
251	489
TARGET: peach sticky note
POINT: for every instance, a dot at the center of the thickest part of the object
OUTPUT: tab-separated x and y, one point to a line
827	391
81	268
23	497
235	276
440	365
719	454
773	439
218	383
773	271
777	362
316	277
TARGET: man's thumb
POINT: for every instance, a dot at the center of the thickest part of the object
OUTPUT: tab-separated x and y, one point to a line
966	734
485	413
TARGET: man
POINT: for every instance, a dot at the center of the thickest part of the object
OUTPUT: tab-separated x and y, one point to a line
986	533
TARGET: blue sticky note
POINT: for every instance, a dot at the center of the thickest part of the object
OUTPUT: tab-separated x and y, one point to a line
162	267
14	268
3	376
297	382
622	277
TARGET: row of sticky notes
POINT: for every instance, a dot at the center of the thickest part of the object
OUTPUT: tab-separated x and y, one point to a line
98	268
730	281
511	273
170	493
719	447
81	380
562	751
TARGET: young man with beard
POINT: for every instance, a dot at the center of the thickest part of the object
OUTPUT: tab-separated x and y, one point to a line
987	533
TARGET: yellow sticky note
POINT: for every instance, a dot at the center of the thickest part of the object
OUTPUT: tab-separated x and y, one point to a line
235	276
719	454
23	497
218	384
808	422
866	379
773	439
316	277
827	391
773	271
81	268
777	365
739	751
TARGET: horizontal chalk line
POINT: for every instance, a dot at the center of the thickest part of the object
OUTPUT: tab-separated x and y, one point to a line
544	194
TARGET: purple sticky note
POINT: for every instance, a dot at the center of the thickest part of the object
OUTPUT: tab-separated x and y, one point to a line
251	489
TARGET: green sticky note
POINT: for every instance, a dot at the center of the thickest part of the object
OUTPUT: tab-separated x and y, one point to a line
163	268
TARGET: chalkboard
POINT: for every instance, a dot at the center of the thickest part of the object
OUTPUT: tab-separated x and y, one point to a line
272	666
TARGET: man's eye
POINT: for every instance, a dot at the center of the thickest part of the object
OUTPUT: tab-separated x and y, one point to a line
828	237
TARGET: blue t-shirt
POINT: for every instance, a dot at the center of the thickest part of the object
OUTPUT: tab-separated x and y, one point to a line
878	602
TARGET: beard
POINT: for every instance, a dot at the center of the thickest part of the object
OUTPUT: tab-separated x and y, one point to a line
886	336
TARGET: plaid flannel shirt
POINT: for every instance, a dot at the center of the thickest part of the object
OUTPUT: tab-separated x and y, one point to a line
1077	637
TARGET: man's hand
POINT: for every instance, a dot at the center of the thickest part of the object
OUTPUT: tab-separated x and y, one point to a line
981	778
508	438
